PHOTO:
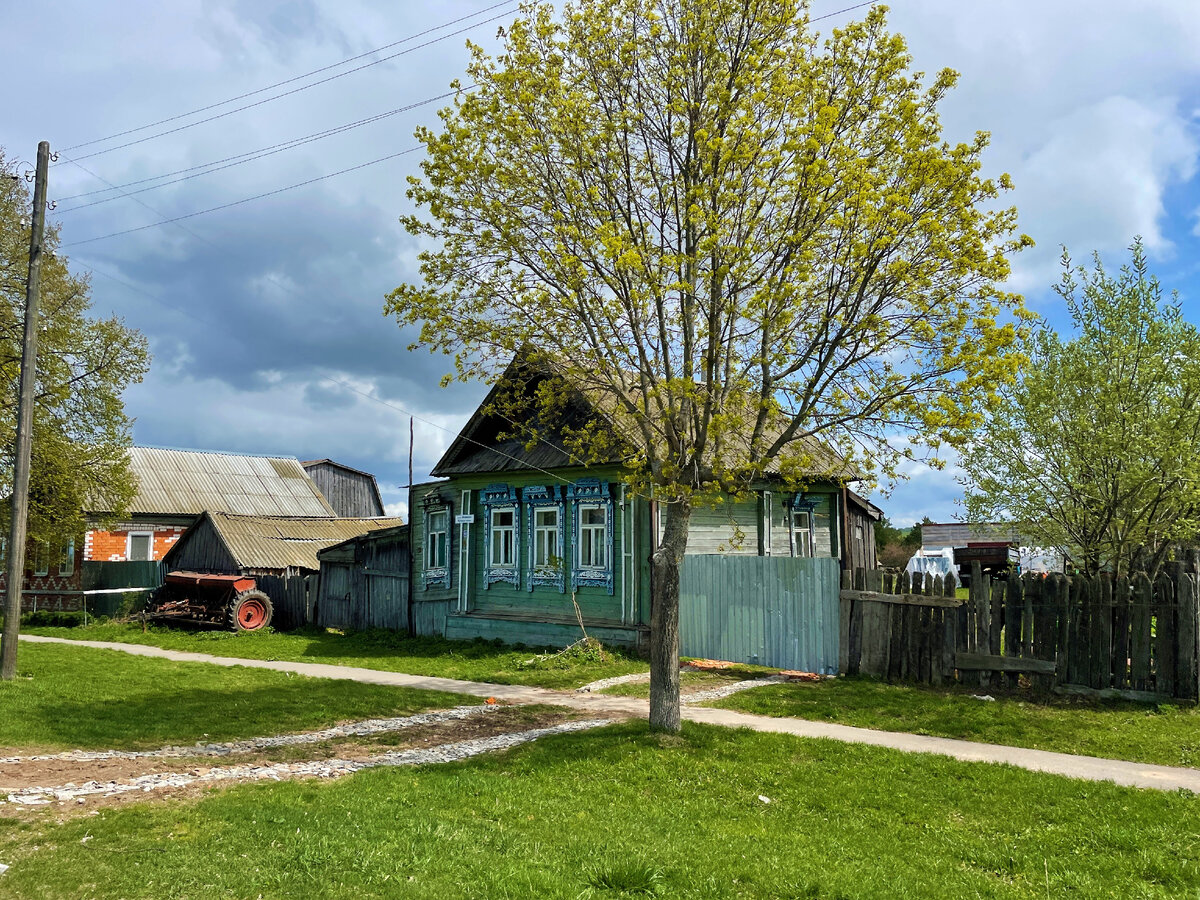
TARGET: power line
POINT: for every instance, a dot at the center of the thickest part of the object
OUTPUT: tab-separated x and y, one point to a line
202	212
297	90
305	75
238	159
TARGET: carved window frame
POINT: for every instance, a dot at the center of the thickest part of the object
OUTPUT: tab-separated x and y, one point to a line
437	575
499	498
803	503
535	498
591	493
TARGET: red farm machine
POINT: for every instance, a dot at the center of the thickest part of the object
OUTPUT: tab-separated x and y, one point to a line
228	601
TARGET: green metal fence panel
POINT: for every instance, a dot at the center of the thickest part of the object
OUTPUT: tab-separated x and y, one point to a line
769	611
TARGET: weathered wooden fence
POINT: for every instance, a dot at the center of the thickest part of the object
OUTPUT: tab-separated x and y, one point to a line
771	611
1122	637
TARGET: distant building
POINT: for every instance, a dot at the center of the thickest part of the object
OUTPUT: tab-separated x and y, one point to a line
351	492
937	537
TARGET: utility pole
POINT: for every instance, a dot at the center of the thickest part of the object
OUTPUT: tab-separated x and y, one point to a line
20	497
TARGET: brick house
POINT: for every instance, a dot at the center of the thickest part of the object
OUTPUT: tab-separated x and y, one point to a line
174	488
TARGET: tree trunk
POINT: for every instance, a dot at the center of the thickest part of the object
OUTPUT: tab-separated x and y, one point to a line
664	618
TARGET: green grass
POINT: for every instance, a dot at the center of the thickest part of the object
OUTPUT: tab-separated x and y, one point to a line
689	682
386	650
74	697
622	813
1167	734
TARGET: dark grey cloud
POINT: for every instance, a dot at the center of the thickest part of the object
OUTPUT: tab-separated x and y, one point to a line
252	310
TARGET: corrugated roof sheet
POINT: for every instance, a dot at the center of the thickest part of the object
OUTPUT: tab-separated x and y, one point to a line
281	542
189	482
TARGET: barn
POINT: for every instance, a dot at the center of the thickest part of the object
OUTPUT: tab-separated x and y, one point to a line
351	492
364	582
280	552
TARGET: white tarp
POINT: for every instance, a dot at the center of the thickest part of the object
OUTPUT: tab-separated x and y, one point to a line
932	562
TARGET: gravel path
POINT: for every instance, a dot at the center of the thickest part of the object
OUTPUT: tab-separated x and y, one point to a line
729	689
363	728
1082	767
326	768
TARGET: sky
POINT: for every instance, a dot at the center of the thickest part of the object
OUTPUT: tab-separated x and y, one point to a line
265	317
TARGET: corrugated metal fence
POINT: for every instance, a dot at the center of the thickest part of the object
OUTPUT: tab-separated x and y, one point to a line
769	611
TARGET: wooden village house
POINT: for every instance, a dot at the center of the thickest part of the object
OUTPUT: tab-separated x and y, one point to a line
517	543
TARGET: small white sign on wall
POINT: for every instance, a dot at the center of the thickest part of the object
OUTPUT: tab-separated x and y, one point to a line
468	519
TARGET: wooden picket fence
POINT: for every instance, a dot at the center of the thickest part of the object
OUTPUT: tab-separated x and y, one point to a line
1127	637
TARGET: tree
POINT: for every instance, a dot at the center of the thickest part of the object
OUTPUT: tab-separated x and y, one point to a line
749	248
1093	450
81	433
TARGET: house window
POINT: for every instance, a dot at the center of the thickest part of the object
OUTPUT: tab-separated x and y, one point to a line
801	532
67	565
502	541
504	538
437	540
593	537
140	547
592	530
41	559
546	552
545	536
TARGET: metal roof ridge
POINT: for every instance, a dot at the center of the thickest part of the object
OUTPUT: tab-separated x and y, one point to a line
213	452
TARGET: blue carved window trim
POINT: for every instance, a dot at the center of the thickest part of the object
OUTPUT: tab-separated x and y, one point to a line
538	497
591	493
803	503
437	575
497	498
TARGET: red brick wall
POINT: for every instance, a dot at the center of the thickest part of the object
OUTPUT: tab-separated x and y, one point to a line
52	591
112	546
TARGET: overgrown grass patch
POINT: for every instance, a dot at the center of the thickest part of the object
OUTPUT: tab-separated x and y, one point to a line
1167	734
386	650
75	697
621	812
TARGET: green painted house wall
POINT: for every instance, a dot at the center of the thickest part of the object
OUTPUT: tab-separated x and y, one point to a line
537	614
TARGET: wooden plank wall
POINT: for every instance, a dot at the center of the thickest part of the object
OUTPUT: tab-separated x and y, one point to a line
1122	637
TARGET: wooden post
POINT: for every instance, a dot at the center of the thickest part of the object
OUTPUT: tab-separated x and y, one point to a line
1164	635
1104	630
24	437
1120	633
1141	599
1188	678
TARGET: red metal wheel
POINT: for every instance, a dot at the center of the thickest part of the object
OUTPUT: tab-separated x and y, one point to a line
250	611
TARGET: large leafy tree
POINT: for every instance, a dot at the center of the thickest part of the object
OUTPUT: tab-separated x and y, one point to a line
81	432
745	245
1094	448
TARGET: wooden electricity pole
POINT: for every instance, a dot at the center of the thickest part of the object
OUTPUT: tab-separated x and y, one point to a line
24	443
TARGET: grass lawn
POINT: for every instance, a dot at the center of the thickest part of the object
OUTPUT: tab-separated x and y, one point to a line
75	697
386	650
620	812
1167	734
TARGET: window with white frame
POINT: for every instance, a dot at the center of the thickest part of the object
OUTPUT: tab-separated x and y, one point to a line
592	551
802	532
544	536
502	512
438	540
66	565
141	546
504	538
435	536
546	552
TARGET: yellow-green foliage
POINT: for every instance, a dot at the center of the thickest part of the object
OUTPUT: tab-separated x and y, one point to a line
1094	449
741	243
84	365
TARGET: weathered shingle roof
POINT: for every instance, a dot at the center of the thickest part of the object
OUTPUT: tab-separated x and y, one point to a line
281	542
189	482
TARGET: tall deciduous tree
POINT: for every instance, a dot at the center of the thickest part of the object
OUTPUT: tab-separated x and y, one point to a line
1094	449
745	244
81	433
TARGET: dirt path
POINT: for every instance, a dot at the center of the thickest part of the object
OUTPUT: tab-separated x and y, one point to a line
1082	767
